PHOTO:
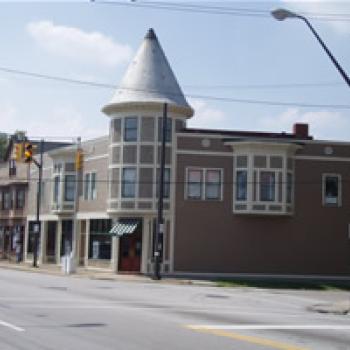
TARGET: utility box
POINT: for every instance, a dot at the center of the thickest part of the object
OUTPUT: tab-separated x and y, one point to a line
68	264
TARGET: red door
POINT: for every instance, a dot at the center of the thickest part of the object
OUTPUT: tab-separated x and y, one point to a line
130	252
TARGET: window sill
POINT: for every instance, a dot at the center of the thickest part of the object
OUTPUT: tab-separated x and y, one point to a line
263	208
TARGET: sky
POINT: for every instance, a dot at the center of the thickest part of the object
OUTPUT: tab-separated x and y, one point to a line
212	55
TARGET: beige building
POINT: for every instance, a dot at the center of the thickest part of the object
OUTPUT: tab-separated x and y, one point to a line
236	202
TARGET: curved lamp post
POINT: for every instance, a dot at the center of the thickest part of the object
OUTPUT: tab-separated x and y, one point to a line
282	14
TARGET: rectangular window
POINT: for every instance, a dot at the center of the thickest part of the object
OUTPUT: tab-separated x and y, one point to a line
167	132
100	240
331	190
69	188
6	200
90	186
56	189
20	195
129	183
267	186
241	185
194	184
213	184
12	167
130	129
86	186
93	193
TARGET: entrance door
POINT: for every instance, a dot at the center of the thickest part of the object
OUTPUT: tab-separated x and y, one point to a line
67	237
130	252
51	241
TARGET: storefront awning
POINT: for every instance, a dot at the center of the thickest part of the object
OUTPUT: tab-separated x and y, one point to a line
124	227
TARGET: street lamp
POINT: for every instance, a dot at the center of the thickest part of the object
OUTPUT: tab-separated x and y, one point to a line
282	14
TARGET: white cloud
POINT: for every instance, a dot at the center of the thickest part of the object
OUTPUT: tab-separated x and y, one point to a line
323	7
63	122
75	44
206	116
323	124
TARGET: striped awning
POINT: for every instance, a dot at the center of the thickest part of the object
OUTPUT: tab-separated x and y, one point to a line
124	227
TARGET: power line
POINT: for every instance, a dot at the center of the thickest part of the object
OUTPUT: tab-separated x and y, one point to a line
218	86
204	97
108	181
265	86
220	10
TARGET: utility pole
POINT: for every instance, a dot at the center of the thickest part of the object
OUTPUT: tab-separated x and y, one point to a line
37	225
78	184
160	220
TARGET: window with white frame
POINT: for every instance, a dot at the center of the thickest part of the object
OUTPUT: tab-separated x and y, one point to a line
241	185
167	129
331	190
20	198
166	189
263	183
212	184
129	182
267	186
90	192
194	183
69	188
130	129
56	189
204	184
6	200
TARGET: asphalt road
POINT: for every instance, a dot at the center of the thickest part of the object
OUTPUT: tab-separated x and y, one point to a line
39	311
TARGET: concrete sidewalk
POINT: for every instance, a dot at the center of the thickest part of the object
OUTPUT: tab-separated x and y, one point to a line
99	274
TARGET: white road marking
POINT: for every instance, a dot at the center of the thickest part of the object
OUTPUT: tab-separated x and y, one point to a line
271	327
9	325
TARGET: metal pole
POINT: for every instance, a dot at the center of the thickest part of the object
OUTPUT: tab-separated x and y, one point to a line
160	220
37	227
335	62
78	183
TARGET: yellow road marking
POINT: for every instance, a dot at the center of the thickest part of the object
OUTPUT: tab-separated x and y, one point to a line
250	339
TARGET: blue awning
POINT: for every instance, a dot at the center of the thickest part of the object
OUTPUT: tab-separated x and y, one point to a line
124	227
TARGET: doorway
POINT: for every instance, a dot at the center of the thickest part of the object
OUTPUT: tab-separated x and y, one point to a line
51	242
130	248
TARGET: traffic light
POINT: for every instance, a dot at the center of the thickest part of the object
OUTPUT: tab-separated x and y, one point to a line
18	156
79	159
28	152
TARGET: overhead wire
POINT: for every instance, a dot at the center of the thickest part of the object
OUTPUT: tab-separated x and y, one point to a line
52	179
195	96
218	10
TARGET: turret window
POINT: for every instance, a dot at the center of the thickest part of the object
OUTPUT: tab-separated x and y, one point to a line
129	183
130	129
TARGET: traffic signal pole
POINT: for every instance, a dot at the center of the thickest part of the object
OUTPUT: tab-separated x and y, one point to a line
37	226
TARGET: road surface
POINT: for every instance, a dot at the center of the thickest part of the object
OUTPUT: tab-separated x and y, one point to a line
39	311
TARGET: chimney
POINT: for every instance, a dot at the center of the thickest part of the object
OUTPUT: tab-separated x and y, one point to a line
301	130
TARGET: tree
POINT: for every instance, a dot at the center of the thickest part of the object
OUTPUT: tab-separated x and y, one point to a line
3	144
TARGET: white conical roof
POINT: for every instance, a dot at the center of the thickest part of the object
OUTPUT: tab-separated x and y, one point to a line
149	79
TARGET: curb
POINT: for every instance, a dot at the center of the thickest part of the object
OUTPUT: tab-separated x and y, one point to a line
105	276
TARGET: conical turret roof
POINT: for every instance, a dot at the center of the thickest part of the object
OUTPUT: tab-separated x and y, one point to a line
149	79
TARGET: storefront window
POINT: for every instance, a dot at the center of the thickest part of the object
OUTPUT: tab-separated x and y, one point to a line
100	239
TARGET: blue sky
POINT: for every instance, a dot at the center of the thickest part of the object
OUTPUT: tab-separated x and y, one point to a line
208	53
